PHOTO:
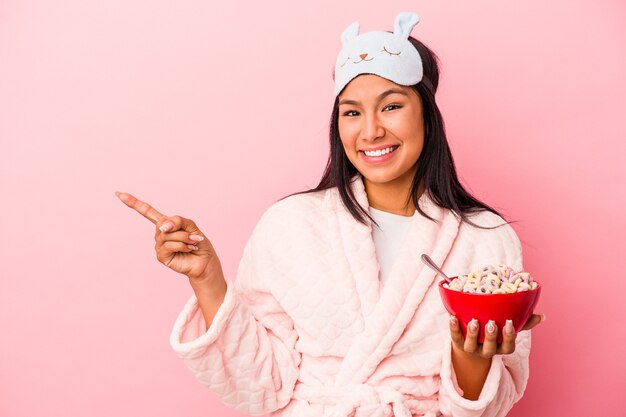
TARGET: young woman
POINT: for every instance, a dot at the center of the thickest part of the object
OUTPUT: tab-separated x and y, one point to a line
332	312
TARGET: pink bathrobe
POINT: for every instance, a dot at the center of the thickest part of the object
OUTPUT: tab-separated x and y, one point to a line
307	331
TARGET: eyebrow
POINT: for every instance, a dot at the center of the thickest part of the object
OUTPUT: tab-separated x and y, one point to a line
379	98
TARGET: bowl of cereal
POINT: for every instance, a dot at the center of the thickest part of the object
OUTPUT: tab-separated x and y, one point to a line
491	293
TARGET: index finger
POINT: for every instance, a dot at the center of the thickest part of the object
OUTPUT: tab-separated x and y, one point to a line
141	207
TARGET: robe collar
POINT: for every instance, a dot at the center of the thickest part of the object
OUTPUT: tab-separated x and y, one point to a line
388	310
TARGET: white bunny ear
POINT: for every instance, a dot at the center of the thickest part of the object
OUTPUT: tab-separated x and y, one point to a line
405	22
350	33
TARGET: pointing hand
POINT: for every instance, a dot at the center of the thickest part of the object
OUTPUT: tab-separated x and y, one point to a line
180	245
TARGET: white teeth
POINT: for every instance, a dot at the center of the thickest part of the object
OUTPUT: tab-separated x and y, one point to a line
379	152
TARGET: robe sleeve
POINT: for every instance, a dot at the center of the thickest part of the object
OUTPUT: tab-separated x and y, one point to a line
247	357
508	375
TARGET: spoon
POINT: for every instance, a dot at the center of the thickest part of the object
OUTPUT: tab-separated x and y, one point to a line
431	264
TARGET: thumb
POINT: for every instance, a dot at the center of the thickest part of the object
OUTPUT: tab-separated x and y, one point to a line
190	226
534	320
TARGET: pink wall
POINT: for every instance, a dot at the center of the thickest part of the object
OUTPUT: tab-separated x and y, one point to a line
213	112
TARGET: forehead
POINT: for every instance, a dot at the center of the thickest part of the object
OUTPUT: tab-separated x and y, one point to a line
370	85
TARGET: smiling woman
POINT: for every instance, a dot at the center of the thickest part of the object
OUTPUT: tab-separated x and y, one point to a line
332	313
382	131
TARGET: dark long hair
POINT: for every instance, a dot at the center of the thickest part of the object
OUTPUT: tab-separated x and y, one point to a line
435	167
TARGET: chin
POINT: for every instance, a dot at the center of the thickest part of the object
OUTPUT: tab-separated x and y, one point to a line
379	178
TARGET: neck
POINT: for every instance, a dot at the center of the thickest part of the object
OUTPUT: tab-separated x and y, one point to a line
392	197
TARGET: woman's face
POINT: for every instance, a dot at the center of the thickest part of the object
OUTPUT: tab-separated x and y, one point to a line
378	115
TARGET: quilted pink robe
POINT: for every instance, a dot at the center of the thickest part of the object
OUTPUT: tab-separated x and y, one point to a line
307	331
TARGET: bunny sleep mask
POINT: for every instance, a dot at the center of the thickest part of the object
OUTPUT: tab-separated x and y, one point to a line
389	55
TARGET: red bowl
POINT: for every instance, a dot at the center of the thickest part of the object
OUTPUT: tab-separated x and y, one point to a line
517	306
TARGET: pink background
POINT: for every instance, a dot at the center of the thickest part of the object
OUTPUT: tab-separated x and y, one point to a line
214	111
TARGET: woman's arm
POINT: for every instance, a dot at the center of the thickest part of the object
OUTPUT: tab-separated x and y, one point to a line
471	372
238	342
209	289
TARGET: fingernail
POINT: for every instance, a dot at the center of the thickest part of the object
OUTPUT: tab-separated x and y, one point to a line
473	325
166	227
453	321
543	318
197	238
192	247
491	327
508	327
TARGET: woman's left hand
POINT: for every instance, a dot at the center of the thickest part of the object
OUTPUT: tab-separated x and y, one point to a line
490	347
472	360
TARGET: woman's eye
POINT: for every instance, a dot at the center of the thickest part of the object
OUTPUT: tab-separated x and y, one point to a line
391	107
351	113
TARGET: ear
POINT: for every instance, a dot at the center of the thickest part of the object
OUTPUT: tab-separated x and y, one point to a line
405	22
350	33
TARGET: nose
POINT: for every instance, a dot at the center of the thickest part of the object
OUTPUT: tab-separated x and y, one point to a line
363	56
372	128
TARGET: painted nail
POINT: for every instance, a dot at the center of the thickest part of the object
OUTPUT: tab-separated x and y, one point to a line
491	327
192	247
165	227
453	321
508	327
197	238
473	325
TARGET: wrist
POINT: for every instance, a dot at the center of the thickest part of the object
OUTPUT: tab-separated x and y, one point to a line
467	357
210	291
471	371
208	283
211	273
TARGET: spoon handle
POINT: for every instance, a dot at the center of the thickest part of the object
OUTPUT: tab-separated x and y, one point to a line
431	264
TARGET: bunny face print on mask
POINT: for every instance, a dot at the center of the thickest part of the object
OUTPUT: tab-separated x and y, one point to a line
389	55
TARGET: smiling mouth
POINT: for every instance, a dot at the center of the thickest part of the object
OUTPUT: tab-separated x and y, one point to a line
357	62
381	152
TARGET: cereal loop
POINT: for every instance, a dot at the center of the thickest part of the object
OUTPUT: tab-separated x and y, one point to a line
493	280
